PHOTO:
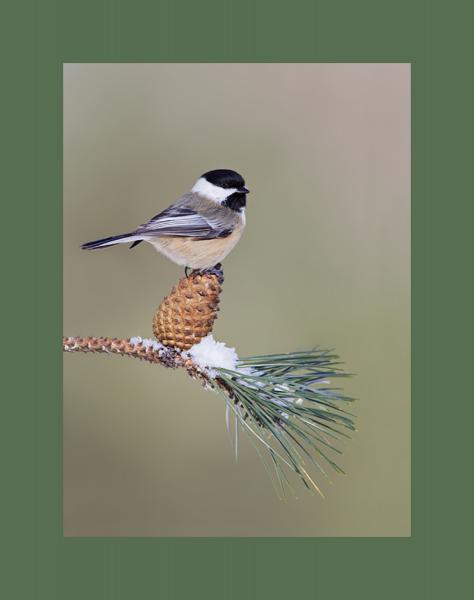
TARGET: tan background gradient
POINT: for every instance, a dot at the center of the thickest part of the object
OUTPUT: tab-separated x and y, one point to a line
325	259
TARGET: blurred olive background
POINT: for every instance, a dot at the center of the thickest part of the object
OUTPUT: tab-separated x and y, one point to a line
325	259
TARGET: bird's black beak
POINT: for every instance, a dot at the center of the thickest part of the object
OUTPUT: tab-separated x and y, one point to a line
244	190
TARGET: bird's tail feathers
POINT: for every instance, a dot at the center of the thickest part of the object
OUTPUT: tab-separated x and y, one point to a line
124	238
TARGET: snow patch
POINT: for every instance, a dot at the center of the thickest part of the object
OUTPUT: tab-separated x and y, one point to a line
209	353
147	343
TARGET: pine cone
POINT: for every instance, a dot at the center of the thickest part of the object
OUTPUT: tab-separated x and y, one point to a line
188	313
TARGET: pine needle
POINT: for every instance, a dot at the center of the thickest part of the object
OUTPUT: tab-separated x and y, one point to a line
284	402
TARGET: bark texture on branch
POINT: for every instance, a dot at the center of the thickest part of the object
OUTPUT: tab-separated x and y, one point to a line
152	352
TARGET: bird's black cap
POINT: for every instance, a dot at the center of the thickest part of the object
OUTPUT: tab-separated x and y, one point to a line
225	178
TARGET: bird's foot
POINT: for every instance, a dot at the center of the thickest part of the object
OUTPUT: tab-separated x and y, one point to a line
215	270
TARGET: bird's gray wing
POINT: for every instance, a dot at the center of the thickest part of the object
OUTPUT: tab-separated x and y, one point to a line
179	220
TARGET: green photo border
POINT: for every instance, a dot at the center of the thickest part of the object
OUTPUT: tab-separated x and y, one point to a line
39	37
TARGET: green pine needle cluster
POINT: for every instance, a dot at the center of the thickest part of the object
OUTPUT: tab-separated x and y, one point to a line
285	403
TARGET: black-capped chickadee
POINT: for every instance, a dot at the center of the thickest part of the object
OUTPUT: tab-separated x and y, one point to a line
198	230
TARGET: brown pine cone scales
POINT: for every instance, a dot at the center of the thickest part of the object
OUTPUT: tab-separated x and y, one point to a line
188	313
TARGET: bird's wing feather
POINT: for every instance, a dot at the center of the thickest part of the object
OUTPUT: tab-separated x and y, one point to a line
184	221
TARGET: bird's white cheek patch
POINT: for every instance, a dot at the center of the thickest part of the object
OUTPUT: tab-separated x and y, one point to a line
211	191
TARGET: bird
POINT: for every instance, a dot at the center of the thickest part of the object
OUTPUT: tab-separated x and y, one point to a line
198	230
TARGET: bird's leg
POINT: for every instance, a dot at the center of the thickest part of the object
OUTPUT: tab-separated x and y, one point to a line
186	271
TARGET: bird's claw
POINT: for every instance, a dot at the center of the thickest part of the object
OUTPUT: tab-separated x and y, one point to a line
215	270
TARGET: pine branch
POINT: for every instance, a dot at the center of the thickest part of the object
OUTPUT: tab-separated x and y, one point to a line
154	353
282	401
136	347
